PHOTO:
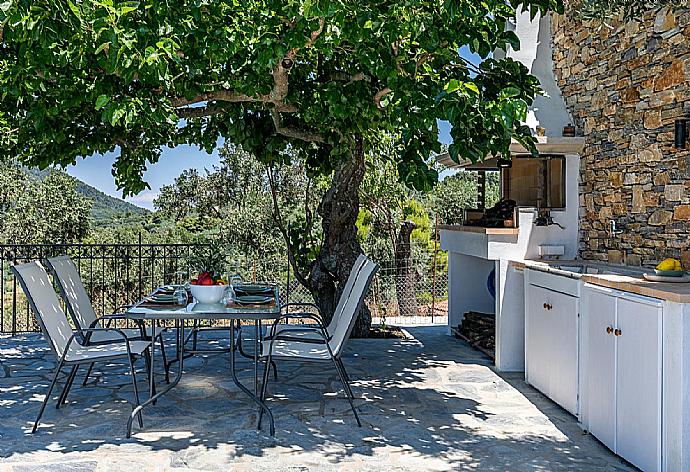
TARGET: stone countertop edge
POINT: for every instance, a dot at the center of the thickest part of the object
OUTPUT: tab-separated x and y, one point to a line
673	292
479	229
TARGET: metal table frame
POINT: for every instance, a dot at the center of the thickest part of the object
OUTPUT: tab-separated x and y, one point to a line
198	311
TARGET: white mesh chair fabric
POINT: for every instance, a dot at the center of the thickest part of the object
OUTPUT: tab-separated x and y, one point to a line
341	331
79	303
314	334
46	305
53	321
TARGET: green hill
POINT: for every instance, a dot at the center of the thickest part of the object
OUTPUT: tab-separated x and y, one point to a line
105	209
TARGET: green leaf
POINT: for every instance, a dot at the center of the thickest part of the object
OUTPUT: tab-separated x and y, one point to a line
102	101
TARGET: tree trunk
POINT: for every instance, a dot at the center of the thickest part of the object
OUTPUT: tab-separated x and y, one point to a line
405	274
339	251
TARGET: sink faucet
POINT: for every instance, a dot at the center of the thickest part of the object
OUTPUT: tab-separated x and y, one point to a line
613	228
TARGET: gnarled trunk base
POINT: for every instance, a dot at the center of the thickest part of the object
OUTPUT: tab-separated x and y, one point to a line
339	209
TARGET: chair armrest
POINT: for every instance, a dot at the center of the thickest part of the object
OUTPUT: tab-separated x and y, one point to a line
302	304
286	334
320	328
110	317
87	332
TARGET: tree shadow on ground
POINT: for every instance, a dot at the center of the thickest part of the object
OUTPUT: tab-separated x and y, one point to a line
426	403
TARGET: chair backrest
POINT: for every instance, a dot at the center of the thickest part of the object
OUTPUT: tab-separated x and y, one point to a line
347	291
73	291
45	304
352	306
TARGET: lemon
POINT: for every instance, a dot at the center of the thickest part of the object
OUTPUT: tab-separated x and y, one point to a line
668	264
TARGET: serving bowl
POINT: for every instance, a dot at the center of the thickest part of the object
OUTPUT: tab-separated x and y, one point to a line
208	293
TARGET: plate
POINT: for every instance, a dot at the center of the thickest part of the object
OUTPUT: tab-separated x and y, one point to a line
252	289
669	273
253	300
661	278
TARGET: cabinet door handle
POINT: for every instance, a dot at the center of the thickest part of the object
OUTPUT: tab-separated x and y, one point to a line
547	306
609	330
617	332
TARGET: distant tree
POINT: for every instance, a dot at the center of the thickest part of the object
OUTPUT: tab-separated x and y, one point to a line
458	192
45	211
236	201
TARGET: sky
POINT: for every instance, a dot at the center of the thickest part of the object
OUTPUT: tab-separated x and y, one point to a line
96	170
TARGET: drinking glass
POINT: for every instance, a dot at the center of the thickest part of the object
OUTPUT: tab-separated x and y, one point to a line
180	296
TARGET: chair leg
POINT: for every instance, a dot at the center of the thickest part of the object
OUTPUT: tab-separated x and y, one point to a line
195	333
264	384
275	370
147	362
68	386
136	392
45	400
88	373
346	375
348	391
166	366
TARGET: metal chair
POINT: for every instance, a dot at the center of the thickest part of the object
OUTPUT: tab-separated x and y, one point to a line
84	316
317	345
64	341
297	332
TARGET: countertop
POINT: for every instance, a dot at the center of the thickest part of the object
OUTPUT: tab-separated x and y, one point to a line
625	279
480	229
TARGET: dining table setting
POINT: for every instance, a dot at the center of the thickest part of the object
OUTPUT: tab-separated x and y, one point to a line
243	305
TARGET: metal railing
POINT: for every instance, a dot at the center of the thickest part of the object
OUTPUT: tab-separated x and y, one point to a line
114	274
120	274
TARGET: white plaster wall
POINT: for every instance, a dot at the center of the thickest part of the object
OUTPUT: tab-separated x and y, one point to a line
510	317
467	289
548	111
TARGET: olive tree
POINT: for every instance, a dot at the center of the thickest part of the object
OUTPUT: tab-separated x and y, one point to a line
320	78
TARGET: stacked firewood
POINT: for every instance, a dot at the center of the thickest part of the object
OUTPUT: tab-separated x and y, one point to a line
479	329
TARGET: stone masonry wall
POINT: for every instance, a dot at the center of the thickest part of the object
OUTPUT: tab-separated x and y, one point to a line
625	83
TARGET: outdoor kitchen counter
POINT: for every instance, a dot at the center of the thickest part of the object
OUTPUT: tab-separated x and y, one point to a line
480	229
625	279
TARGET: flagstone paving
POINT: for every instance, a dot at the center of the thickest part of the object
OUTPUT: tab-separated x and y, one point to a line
427	403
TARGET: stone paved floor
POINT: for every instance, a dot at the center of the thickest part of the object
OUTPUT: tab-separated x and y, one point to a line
428	403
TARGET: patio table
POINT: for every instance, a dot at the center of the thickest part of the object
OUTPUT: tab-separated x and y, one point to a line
144	311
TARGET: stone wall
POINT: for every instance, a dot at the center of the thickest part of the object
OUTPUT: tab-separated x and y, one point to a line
624	84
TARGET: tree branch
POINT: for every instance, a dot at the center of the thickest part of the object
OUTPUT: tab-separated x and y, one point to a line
379	95
293	132
278	219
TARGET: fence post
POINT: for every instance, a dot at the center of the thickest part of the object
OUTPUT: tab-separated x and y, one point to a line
433	269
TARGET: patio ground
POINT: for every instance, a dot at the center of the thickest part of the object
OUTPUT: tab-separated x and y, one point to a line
428	403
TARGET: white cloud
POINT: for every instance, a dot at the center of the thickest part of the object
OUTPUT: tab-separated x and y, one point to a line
144	199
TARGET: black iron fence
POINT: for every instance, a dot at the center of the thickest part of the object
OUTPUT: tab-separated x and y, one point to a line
120	274
114	274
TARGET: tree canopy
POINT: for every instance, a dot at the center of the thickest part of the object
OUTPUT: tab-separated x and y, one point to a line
79	77
41	211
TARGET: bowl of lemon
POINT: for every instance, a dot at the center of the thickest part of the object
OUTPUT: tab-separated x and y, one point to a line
669	268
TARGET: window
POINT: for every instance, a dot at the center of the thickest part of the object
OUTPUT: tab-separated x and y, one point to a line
536	182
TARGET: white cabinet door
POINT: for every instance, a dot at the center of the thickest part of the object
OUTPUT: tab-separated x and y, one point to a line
638	389
551	345
562	314
537	344
600	379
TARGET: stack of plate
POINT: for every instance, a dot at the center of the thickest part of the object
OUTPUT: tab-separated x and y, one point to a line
668	276
254	294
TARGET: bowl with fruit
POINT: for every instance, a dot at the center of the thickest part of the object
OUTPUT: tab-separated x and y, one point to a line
669	268
207	288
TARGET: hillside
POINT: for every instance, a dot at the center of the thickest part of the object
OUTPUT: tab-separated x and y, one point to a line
105	209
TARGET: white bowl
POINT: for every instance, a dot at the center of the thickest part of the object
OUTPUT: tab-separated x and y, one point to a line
208	293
